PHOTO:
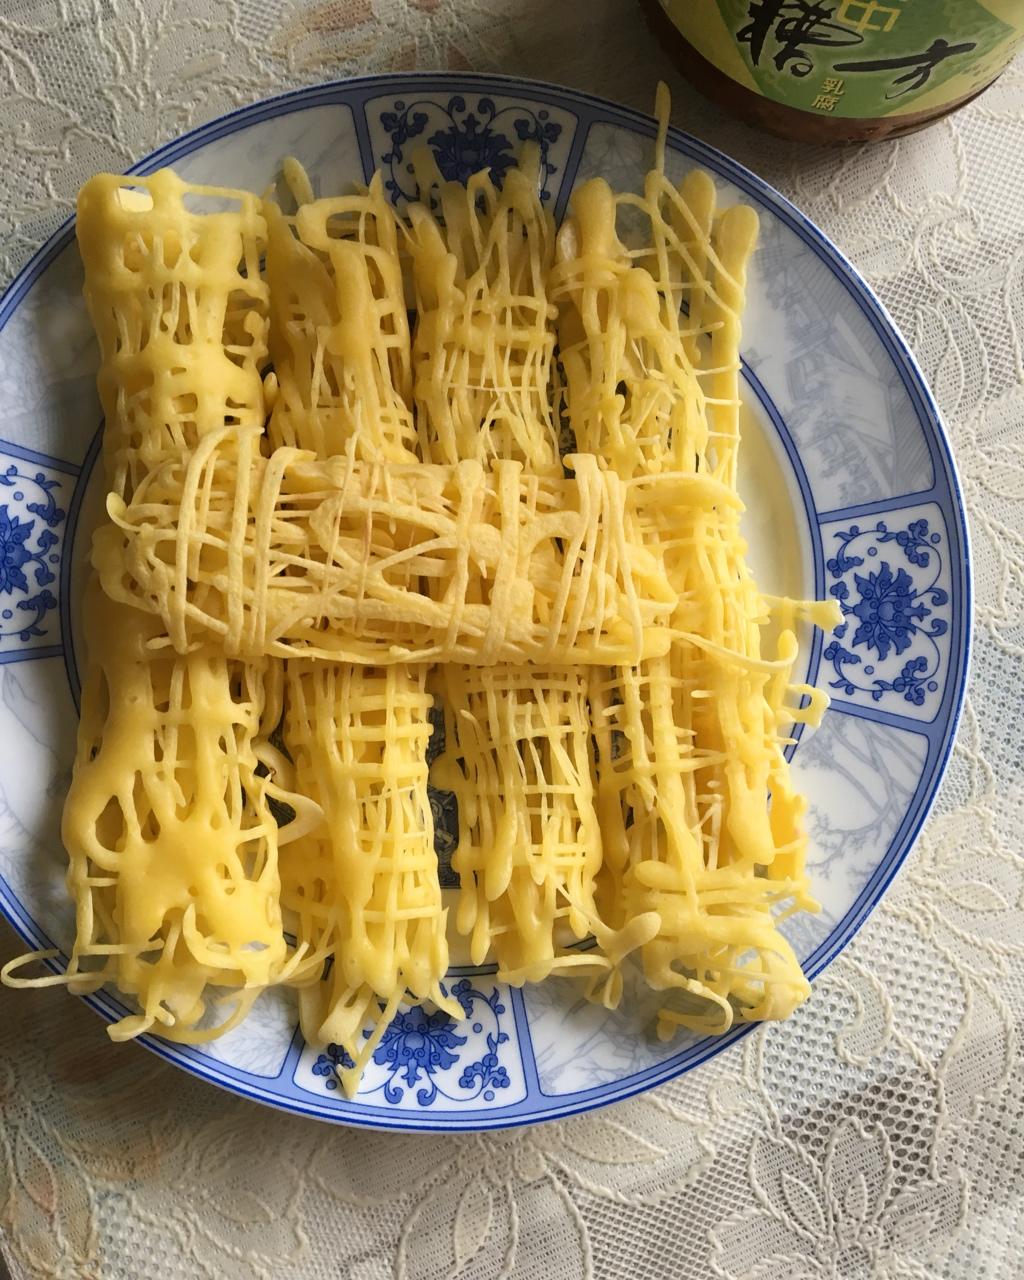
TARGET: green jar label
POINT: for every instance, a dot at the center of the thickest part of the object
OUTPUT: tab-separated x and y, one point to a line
860	59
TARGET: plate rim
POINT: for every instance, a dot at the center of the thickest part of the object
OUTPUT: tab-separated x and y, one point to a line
913	382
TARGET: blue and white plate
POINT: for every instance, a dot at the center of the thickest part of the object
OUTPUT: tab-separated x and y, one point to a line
851	492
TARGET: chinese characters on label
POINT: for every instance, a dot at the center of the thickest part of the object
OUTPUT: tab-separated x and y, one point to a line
867	15
791	25
787	33
921	65
832	89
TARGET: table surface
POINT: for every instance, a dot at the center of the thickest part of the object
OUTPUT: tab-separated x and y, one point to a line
880	1133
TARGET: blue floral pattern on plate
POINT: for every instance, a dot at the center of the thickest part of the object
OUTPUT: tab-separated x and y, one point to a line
466	135
30	551
890	580
426	1058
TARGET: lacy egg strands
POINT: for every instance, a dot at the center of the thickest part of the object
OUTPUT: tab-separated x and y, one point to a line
338	494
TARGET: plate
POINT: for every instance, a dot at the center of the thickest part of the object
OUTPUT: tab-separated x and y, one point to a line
851	491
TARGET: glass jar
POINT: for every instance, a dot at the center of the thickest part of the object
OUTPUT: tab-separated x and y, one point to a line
840	70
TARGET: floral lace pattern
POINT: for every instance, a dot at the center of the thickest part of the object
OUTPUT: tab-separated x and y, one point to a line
878	1134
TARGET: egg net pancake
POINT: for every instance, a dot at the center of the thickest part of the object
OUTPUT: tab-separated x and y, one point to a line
171	842
362	887
365	563
617	688
689	743
172	845
180	309
518	741
484	338
339	330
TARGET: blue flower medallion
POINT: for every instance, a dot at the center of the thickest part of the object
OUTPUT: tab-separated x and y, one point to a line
30	549
431	1059
891	584
466	135
416	1046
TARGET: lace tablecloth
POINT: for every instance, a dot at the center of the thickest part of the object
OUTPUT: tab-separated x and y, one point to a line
881	1132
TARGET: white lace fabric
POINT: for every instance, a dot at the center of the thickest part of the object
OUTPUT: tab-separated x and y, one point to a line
880	1133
